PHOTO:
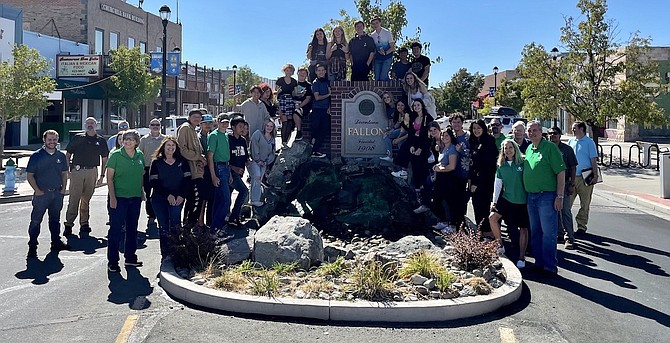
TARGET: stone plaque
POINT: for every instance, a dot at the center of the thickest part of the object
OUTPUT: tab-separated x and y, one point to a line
364	124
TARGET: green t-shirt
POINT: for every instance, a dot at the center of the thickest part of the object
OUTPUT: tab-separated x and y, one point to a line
512	176
127	173
541	166
499	141
217	143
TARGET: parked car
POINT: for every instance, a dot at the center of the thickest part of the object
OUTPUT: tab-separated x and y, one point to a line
172	123
507	116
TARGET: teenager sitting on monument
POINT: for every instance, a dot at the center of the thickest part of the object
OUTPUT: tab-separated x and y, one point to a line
413	88
417	148
398	131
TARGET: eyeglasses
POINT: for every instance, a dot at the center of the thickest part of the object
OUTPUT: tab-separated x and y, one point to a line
154	124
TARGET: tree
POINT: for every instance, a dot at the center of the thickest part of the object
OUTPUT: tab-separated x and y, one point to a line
24	83
244	79
132	83
458	93
509	94
597	79
486	108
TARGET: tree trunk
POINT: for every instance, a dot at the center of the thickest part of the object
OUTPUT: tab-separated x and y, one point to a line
596	131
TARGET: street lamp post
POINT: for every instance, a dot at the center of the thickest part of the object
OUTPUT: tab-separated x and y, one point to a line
176	83
234	84
165	16
554	55
495	85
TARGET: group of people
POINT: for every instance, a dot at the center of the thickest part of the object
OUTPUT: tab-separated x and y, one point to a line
366	52
525	179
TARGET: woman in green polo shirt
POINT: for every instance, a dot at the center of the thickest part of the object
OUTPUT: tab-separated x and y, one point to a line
125	169
509	198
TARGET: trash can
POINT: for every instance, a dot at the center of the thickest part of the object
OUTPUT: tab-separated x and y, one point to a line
664	161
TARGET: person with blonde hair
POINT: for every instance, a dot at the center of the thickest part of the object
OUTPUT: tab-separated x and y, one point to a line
262	155
336	54
510	198
413	88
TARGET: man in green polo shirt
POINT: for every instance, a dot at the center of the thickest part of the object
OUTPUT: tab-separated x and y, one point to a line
544	180
218	159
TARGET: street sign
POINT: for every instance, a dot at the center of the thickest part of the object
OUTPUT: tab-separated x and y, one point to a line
492	92
173	63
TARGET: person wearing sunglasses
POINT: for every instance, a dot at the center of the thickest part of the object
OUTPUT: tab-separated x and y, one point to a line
149	143
496	132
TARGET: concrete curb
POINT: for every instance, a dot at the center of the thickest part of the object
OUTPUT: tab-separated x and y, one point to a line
364	311
8	199
639	201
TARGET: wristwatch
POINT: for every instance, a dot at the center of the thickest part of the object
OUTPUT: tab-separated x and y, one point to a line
560	196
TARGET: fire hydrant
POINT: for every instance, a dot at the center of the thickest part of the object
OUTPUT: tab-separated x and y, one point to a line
10	177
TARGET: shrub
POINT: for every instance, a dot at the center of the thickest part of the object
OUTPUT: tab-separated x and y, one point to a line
335	269
191	247
470	252
266	284
444	280
284	268
249	268
231	280
371	281
423	263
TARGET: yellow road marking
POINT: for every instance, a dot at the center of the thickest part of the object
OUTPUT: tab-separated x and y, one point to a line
507	335
127	328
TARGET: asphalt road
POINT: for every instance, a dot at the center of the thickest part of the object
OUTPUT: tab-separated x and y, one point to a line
614	288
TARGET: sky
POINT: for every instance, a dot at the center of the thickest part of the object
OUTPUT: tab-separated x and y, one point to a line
476	35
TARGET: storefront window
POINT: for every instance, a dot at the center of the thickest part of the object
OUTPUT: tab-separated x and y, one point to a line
72	110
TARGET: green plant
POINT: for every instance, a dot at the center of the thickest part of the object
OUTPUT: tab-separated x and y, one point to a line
266	283
193	248
371	281
470	252
284	268
231	280
444	280
335	269
423	263
248	267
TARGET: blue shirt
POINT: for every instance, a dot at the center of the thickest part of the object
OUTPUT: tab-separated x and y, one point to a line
585	150
321	86
48	169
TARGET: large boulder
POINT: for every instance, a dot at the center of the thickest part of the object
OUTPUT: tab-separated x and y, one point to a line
237	250
286	164
287	240
409	245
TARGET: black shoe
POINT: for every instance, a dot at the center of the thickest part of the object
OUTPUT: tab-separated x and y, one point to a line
59	245
67	231
32	251
85	228
113	268
580	232
235	222
133	264
318	154
298	136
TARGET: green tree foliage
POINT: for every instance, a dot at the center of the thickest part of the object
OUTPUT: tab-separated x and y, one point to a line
458	93
24	83
597	79
509	94
245	78
486	108
132	83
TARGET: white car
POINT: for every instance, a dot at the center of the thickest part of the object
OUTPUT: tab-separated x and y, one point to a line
172	123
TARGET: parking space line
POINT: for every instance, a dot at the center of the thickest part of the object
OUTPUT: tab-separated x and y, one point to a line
507	335
127	328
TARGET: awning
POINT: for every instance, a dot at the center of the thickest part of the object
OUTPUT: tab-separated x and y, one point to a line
80	90
483	95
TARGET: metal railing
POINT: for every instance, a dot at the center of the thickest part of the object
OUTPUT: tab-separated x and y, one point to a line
629	163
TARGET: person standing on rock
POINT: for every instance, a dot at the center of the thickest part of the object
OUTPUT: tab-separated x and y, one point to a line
544	180
587	159
149	143
262	148
362	51
253	110
85	153
192	151
47	174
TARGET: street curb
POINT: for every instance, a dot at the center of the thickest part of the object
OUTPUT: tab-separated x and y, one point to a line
639	201
359	311
28	197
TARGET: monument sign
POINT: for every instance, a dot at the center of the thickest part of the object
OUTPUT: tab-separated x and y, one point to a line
364	124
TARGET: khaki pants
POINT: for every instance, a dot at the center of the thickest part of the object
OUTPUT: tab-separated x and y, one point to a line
82	185
584	192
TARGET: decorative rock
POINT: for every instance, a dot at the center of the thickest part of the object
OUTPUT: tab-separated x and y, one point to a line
397	297
236	250
422	290
285	280
487	274
468	275
299	294
287	240
350	255
411	244
468	291
496	283
198	280
435	294
331	253
430	283
300	274
324	296
457	285
410	298
400	283
449	294
477	272
501	274
418	279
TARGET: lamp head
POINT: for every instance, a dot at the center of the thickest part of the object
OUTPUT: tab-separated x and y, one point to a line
495	69
165	12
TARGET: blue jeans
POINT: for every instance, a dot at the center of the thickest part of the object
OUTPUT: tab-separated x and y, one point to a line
242	194
127	212
51	202
543	229
319	126
168	217
388	140
221	197
382	68
566	226
256	173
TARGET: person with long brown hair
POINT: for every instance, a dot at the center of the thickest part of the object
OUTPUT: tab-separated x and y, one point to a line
170	181
316	52
336	54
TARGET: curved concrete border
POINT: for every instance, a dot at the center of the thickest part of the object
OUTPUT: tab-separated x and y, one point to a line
366	311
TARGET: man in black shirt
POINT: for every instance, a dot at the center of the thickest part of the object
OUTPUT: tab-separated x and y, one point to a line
47	175
420	63
362	50
84	154
566	231
239	158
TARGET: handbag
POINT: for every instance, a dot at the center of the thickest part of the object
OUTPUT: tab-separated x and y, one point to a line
587	174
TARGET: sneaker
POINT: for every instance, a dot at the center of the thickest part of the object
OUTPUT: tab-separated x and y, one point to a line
85	228
133	264
284	146
521	264
421	209
440	226
449	229
569	245
318	154
257	203
560	239
59	245
581	231
298	136
235	222
400	173
386	158
67	231
113	268
32	251
501	251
